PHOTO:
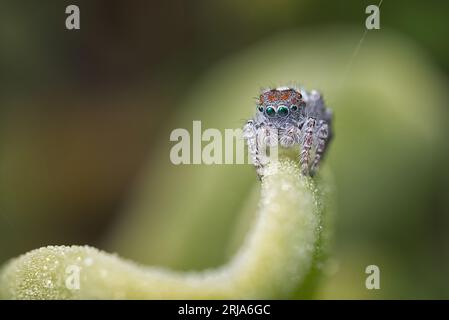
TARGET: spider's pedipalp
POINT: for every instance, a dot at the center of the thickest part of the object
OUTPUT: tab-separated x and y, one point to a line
290	135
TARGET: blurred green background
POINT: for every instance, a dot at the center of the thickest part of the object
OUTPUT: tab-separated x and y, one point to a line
85	118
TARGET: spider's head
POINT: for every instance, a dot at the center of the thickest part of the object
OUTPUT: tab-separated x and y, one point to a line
277	105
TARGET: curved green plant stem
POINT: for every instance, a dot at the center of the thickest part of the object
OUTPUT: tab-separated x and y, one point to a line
272	263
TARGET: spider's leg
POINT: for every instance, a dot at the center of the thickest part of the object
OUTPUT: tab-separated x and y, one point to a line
267	142
306	144
322	135
250	134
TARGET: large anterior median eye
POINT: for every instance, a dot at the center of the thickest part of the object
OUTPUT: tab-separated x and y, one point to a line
270	111
282	111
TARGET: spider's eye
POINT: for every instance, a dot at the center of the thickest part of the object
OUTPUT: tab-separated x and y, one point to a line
260	108
294	107
270	111
282	111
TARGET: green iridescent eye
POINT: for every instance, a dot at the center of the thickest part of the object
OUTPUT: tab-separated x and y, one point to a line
270	111
282	111
294	107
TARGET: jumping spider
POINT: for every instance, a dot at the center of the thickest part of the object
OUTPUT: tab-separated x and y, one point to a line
291	118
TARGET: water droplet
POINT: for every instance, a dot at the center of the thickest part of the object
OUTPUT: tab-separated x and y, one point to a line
48	284
88	261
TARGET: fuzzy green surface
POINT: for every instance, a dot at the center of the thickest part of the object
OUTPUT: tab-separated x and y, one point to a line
273	261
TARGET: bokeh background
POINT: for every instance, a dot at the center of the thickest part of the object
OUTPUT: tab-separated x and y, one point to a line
85	118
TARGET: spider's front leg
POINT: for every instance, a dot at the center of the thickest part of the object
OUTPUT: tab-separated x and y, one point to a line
320	142
306	144
258	137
